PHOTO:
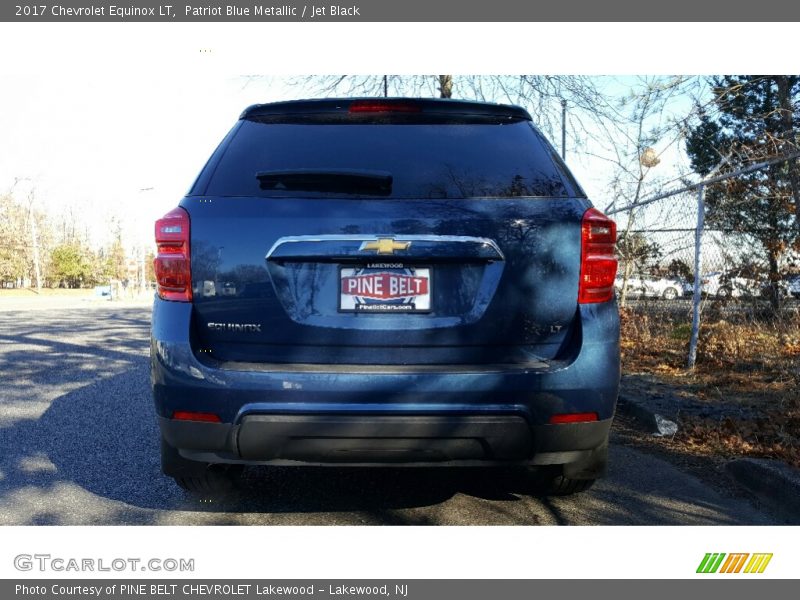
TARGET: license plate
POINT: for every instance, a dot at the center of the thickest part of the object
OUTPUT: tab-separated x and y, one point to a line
385	288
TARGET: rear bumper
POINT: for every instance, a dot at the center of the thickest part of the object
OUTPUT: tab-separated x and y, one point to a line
284	414
323	439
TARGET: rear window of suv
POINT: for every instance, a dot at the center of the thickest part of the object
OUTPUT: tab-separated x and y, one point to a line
422	160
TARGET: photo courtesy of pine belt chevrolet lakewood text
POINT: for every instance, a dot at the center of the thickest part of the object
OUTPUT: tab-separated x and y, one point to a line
385	282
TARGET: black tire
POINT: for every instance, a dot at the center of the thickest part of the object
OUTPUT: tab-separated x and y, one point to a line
670	294
723	292
218	480
202	479
570	478
564	486
550	481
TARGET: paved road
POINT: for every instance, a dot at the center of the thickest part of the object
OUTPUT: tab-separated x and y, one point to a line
78	445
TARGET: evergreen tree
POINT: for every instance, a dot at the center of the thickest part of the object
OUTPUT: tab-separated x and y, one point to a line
116	262
71	264
754	118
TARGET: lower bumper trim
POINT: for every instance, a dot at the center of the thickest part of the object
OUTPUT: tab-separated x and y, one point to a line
326	439
384	439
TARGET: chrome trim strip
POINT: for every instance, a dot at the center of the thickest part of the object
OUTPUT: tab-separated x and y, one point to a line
366	238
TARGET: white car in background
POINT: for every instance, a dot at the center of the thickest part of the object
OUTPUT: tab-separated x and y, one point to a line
666	288
724	285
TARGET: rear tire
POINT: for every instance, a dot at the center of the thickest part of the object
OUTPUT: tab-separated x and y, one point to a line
564	486
550	481
570	478
216	481
670	294
206	480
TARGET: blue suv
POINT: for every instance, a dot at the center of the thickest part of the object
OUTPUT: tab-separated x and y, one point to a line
385	282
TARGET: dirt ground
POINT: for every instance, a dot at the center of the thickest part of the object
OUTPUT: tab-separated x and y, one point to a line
742	398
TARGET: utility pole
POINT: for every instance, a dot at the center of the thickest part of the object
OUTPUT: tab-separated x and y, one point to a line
385	86
698	283
563	129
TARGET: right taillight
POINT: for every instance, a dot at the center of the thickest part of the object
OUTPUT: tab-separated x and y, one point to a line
172	264
598	263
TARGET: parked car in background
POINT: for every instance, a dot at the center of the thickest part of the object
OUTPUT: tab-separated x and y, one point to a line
782	286
793	285
666	288
727	285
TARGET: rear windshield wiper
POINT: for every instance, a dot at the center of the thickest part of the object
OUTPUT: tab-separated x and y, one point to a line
336	181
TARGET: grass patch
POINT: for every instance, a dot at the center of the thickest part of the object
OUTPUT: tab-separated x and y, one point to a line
681	332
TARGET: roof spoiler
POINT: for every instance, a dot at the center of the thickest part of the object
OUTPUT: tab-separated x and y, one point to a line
407	106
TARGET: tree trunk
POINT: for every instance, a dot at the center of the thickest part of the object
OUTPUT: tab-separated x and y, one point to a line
774	289
446	86
772	247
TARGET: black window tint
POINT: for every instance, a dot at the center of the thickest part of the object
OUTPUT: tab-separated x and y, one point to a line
424	160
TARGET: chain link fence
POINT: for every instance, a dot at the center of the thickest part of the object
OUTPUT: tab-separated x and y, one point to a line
678	269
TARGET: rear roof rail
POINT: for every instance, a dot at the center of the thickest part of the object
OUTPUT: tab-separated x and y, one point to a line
338	108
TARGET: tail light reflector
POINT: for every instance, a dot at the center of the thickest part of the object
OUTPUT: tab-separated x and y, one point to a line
172	264
598	263
203	417
587	417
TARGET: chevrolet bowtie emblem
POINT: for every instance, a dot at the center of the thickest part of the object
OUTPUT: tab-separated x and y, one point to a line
384	245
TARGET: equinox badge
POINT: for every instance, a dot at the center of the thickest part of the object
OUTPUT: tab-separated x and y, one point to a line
252	327
384	245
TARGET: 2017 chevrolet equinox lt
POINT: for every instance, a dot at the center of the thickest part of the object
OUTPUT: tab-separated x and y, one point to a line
385	282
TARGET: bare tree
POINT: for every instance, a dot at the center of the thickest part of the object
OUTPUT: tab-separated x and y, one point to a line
26	234
629	131
540	94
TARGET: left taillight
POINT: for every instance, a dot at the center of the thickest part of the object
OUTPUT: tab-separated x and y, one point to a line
172	264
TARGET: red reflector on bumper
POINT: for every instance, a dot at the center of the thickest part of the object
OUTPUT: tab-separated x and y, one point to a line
186	415
573	418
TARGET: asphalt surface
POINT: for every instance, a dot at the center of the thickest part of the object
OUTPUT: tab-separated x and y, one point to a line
79	446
